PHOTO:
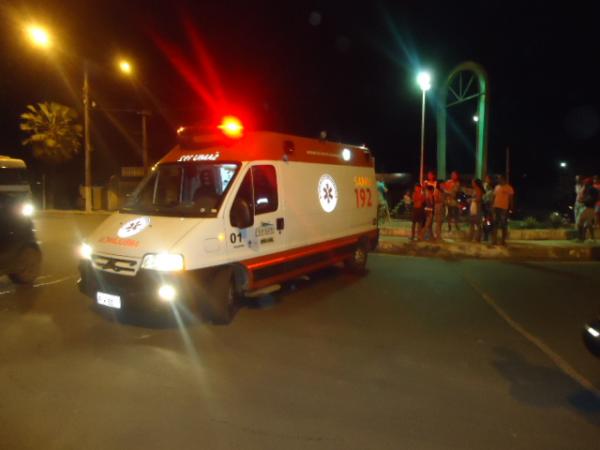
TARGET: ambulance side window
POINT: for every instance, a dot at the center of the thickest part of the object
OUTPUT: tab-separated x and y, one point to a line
245	192
265	189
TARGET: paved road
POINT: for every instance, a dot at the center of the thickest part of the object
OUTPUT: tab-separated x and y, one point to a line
419	354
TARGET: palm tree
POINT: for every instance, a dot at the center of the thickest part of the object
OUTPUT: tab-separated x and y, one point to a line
54	135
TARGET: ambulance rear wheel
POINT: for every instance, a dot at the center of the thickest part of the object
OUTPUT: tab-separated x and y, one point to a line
27	265
222	300
358	262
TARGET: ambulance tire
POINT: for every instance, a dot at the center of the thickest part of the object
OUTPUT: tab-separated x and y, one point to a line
222	300
357	263
28	265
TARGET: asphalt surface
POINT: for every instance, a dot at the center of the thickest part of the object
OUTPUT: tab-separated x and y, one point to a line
418	354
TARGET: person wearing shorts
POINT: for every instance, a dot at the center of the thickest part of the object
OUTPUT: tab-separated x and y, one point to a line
503	203
426	230
418	212
452	187
439	207
475	211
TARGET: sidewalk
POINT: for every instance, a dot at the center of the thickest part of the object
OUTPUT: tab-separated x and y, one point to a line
551	244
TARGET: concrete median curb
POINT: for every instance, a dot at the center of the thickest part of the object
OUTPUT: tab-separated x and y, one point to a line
402	229
513	251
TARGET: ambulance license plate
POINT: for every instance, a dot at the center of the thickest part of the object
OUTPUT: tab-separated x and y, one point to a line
112	301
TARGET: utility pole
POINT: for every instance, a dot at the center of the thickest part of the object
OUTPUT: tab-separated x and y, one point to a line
87	147
145	114
422	164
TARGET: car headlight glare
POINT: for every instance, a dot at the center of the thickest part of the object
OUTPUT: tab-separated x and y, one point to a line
164	262
85	251
27	209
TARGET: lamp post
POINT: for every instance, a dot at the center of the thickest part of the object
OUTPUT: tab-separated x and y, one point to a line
87	146
424	81
41	37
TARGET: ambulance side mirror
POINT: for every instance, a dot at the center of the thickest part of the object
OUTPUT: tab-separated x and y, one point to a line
241	215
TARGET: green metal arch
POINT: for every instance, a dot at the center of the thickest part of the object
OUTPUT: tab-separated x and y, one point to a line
481	149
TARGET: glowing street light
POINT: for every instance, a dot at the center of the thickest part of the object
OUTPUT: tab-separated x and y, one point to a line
563	164
38	36
475	118
125	67
424	81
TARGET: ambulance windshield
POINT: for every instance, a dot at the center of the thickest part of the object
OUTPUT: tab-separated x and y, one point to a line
183	189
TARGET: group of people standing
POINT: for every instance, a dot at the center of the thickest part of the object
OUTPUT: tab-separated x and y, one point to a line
586	210
436	201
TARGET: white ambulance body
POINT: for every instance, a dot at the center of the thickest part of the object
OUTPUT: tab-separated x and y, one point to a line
215	220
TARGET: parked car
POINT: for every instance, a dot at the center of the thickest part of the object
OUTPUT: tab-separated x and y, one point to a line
20	255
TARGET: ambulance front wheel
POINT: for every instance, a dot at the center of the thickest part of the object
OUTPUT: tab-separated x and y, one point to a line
222	298
358	262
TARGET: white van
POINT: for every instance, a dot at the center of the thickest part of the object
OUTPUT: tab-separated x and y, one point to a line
229	214
20	254
13	175
14	183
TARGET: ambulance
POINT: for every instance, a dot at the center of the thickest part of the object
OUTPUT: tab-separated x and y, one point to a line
231	214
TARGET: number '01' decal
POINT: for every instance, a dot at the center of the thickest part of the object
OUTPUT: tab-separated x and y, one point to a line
363	197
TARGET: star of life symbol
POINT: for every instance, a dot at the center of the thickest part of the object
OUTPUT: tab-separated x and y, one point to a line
328	193
133	227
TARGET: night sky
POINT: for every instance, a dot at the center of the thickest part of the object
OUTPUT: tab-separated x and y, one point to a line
302	67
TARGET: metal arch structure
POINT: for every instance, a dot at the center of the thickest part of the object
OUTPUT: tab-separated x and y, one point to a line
460	87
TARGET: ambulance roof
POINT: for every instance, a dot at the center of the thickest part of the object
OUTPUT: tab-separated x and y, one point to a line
264	145
6	162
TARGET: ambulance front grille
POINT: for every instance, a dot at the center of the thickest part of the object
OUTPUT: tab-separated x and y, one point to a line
121	266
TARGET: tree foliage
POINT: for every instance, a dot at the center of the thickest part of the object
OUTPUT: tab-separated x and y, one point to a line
54	133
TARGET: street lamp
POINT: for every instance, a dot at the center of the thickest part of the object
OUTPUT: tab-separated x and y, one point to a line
38	36
475	118
125	66
41	37
563	164
424	81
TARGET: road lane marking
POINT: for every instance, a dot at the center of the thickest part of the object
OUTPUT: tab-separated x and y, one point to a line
47	283
541	345
59	280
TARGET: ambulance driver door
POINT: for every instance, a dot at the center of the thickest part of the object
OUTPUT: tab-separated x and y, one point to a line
256	224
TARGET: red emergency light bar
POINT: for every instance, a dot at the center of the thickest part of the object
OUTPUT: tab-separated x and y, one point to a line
232	127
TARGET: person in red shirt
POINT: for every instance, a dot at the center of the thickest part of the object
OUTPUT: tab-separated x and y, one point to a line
418	212
431	180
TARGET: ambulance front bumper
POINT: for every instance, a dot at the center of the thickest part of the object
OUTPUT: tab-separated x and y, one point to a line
145	290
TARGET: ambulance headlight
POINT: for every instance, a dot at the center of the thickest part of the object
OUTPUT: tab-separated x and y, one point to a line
27	209
85	251
164	262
